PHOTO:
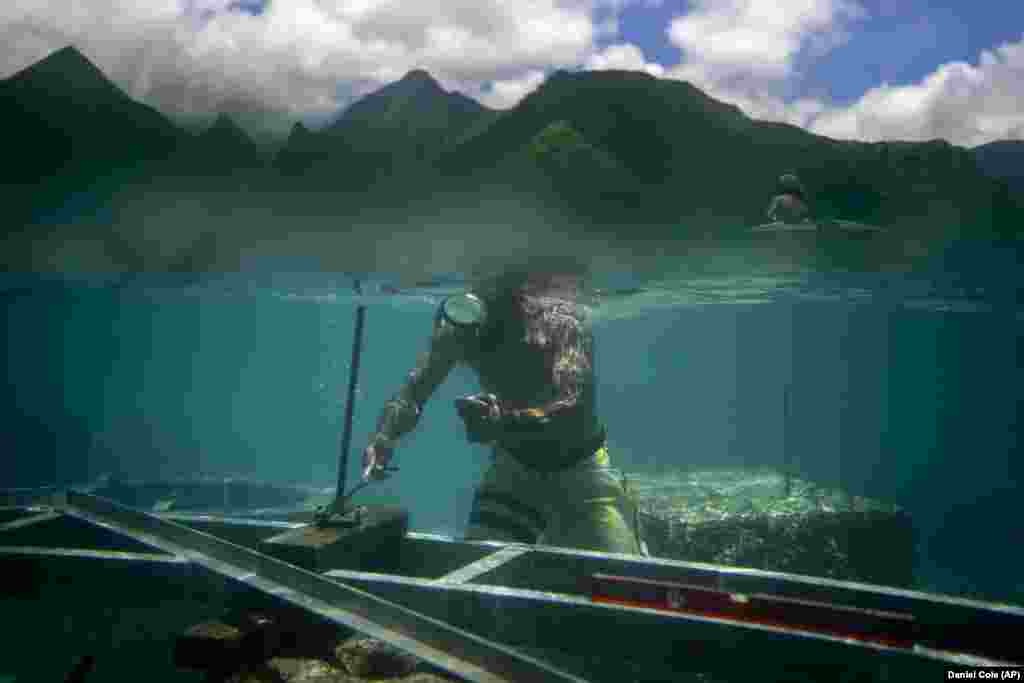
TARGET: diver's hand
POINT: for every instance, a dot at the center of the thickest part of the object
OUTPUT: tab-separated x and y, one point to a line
479	407
481	414
376	460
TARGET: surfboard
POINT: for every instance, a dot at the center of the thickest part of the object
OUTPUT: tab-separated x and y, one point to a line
822	226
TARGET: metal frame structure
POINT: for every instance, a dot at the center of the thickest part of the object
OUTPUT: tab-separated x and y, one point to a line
477	659
491	612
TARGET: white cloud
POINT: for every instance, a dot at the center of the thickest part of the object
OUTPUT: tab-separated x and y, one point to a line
965	104
623	56
758	100
188	56
749	52
959	102
731	39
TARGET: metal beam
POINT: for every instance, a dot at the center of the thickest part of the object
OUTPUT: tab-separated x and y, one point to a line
659	640
459	652
272	526
116	555
29	521
547	568
483	565
244	532
946	623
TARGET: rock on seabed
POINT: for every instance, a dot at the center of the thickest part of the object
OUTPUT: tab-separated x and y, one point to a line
744	518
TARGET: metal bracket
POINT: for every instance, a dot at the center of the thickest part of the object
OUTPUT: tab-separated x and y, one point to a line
325	517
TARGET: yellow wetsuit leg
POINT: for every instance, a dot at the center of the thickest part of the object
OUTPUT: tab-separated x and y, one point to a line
590	508
507	506
584	507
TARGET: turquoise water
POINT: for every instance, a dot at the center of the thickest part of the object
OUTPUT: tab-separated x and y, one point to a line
904	386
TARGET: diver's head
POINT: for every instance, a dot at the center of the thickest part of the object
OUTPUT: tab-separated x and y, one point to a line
789	183
542	275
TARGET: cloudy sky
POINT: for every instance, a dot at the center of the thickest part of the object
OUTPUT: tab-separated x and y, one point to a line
858	69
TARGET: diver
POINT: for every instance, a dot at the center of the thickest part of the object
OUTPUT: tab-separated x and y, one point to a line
550	480
789	205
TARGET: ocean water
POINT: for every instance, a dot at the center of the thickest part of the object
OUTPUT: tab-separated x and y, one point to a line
905	386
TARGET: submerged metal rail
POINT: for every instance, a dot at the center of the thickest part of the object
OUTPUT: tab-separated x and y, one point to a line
459	652
23	522
501	595
448	600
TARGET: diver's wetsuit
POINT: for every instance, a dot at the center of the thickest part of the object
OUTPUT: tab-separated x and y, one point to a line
549	482
788	208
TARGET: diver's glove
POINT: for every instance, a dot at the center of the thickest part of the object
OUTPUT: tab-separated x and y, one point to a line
377	460
481	414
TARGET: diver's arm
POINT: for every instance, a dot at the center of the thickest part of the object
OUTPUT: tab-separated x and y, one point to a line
773	208
805	210
402	412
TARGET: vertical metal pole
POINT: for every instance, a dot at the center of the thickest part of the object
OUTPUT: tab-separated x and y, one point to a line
353	382
787	454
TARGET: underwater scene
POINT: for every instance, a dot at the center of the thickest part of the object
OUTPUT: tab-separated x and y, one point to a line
571	340
857	426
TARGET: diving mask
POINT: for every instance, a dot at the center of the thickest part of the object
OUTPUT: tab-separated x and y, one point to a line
464	310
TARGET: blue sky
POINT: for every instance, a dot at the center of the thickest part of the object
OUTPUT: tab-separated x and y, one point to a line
903	46
856	69
897	42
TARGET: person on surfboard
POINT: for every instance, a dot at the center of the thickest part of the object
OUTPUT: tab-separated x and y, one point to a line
789	205
530	344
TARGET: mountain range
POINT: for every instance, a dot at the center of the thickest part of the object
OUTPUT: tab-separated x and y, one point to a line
606	149
71	130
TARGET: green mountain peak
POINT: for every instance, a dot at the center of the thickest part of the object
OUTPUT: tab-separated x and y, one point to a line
418	76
